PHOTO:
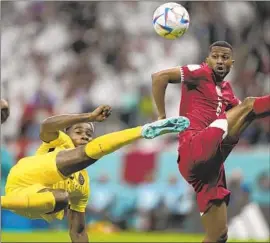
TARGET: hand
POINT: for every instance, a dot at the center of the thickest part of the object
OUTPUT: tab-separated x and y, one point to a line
4	110
101	113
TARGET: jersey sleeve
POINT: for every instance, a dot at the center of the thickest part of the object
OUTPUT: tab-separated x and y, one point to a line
79	203
192	73
63	140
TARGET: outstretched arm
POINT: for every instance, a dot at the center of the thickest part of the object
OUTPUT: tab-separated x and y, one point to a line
49	130
77	231
160	81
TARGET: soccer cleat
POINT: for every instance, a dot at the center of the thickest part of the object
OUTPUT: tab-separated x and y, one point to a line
169	125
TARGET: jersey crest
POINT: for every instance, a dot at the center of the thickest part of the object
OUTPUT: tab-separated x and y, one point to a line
81	179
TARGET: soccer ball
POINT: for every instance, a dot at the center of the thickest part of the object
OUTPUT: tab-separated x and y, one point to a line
171	20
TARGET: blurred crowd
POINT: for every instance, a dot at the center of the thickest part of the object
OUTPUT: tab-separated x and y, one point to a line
69	57
152	204
170	206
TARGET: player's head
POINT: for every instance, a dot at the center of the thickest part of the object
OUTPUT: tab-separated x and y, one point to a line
81	133
220	58
4	110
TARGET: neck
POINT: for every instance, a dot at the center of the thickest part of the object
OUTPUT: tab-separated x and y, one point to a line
218	79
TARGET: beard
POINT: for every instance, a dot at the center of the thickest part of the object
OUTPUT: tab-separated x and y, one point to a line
221	73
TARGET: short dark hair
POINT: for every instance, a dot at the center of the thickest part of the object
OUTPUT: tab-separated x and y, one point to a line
90	123
221	44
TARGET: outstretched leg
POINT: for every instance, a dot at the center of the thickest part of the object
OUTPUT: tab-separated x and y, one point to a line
226	130
238	119
241	116
56	166
70	161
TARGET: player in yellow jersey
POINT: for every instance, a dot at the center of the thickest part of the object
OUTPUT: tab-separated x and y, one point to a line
43	185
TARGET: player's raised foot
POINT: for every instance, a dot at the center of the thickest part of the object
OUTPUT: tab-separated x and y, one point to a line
169	125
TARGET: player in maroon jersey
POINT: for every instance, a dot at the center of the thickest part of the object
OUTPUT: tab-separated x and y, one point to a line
217	118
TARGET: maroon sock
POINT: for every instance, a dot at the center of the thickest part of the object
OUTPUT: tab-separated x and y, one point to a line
262	105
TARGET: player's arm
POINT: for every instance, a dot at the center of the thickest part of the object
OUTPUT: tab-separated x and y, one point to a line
77	229
160	82
190	74
50	127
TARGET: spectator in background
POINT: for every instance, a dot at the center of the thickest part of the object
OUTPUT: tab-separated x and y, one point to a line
102	200
95	48
240	193
96	57
264	133
146	110
35	111
178	201
262	192
148	200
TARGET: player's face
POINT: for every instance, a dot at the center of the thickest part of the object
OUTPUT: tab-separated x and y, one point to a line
81	133
220	60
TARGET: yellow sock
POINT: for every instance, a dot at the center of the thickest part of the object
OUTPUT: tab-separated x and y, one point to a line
44	202
111	142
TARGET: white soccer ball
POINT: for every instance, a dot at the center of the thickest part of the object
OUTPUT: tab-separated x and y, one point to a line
171	20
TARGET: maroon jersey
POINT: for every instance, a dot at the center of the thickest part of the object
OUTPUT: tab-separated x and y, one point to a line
203	100
201	149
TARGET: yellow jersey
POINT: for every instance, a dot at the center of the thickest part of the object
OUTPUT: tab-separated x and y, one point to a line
77	185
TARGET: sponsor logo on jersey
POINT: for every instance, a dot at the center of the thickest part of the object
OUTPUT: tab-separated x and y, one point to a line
81	179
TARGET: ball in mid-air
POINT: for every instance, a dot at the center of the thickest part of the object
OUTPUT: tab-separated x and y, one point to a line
171	20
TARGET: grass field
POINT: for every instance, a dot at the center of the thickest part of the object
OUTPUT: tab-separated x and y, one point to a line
51	236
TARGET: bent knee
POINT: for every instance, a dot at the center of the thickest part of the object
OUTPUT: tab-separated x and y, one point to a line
60	195
248	102
61	199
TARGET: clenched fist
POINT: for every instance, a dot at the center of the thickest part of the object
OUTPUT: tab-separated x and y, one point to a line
101	113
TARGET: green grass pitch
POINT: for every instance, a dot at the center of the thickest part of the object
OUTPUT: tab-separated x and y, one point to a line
51	236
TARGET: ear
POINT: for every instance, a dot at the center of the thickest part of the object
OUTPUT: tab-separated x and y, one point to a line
207	60
232	63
